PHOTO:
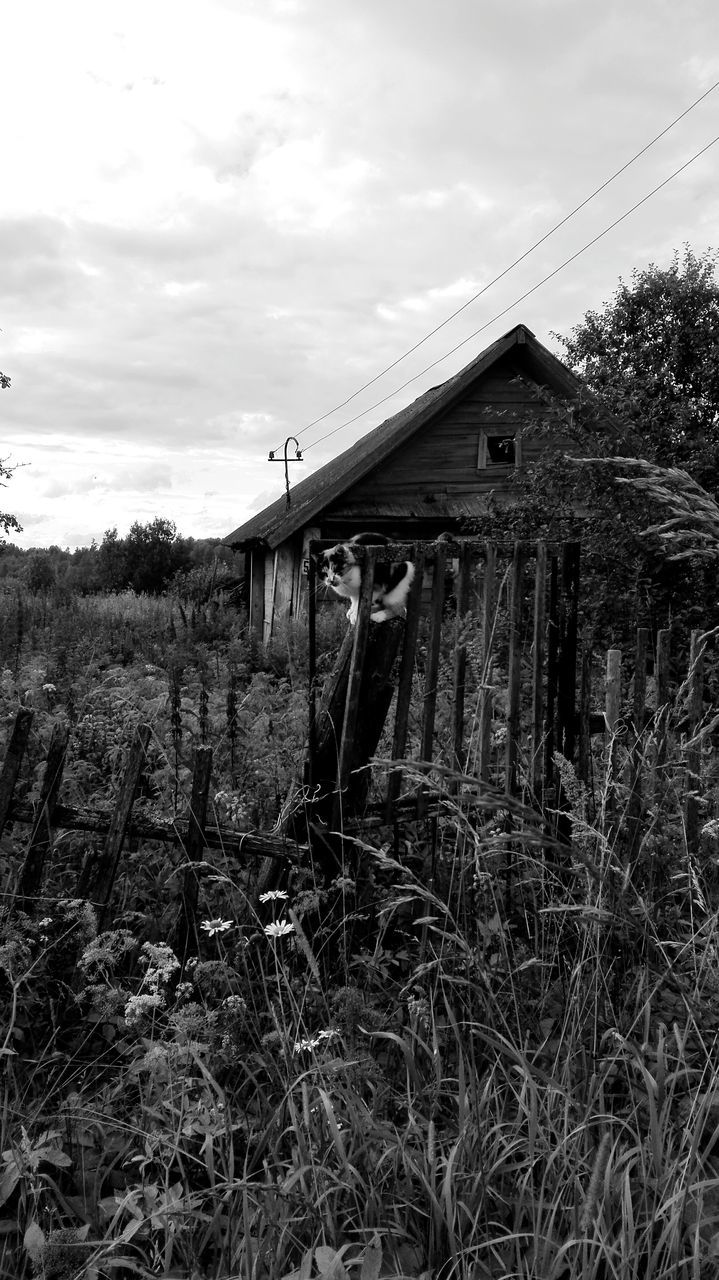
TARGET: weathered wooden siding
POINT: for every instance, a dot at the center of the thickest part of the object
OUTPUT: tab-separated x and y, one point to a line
440	462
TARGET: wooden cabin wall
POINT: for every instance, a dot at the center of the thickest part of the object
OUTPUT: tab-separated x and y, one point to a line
441	459
256	568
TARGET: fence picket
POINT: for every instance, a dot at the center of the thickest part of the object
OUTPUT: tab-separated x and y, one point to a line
98	875
41	837
186	939
13	760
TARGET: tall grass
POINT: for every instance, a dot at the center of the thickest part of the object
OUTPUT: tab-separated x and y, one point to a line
453	1081
478	1054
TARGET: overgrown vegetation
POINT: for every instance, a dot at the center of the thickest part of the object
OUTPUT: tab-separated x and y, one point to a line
475	1054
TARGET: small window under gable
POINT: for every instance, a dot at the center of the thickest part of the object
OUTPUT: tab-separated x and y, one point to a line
498	448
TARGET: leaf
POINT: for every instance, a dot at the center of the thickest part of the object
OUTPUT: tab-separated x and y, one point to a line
34	1241
8	1182
372	1260
331	1266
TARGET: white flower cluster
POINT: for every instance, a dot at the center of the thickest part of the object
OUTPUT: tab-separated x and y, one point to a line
313	1042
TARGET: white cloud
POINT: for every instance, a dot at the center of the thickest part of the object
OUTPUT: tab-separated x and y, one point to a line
218	219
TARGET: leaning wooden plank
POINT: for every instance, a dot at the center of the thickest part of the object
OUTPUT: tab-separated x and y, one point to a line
186	940
357	665
41	837
236	844
13	760
98	876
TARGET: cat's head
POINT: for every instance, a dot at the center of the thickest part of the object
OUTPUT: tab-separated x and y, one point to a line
334	563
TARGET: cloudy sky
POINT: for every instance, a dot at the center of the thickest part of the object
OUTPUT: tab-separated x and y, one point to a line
220	218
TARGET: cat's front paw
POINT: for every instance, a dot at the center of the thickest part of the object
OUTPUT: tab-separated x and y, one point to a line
352	613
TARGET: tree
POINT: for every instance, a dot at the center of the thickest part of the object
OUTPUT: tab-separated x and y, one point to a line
40	573
112	562
651	356
7	522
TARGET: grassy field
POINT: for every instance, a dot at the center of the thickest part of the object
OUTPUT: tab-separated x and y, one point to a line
464	1058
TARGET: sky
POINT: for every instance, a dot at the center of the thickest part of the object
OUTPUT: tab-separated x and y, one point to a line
221	218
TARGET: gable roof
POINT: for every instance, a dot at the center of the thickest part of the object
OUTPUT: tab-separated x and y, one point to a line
310	496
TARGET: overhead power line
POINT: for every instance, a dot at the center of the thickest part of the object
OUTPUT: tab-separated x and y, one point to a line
495	280
550	275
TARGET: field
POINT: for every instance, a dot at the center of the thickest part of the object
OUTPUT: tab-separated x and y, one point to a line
473	1055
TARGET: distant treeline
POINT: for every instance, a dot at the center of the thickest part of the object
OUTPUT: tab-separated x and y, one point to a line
152	559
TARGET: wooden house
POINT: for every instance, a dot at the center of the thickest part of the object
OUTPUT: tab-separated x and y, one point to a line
421	473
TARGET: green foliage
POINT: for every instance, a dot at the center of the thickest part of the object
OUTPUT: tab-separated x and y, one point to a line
650	362
7	522
651	356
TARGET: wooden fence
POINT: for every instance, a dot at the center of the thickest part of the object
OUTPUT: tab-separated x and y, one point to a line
483	682
477	612
115	827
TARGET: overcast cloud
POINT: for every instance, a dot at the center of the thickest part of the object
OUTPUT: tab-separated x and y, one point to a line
219	218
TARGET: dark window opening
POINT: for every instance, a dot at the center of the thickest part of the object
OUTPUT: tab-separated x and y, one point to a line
501	450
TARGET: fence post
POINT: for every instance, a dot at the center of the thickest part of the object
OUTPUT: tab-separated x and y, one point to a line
514	667
661	678
404	682
486	700
98	875
639	717
13	760
695	693
186	941
612	715
460	657
41	837
538	649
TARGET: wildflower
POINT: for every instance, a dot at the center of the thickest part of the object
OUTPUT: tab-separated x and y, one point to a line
273	895
161	963
49	688
216	925
278	928
313	1042
138	1006
235	1003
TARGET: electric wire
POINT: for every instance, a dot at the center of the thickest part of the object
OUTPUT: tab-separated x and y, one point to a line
550	275
506	270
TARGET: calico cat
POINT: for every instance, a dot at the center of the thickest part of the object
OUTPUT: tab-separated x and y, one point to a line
339	570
